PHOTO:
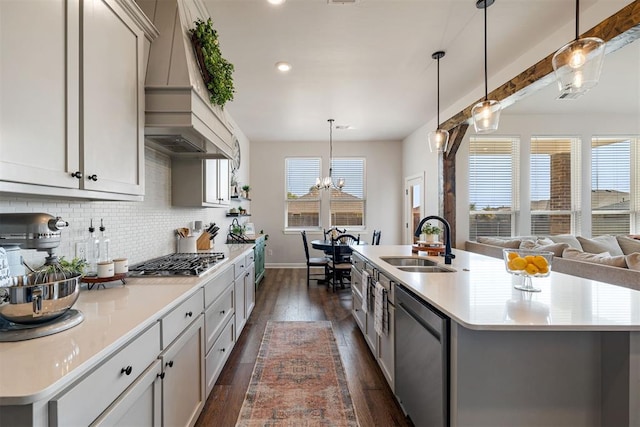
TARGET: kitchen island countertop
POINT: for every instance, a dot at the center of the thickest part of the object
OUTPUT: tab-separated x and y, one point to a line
480	295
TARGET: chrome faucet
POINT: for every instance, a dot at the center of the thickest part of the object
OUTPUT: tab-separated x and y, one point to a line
448	256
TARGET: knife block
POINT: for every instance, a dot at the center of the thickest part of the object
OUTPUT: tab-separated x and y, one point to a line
203	242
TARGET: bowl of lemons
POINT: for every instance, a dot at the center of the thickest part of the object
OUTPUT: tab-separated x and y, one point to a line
527	264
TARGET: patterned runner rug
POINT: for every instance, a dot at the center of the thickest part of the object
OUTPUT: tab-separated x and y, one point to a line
298	379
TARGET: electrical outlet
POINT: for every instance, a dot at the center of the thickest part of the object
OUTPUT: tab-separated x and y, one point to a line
81	250
270	252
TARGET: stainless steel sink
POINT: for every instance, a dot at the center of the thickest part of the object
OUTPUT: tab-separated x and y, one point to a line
426	269
408	261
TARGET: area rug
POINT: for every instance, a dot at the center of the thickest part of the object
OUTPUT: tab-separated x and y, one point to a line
298	379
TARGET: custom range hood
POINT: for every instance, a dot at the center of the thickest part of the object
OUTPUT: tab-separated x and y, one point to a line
179	119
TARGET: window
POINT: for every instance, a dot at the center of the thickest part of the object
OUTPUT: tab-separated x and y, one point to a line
554	195
493	171
302	198
615	191
347	207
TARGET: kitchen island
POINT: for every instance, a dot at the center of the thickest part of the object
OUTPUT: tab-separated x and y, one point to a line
568	355
140	328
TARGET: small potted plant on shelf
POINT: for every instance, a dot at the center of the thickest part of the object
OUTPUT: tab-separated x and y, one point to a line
430	233
242	210
245	189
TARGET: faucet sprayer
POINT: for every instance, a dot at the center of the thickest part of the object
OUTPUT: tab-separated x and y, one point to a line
448	256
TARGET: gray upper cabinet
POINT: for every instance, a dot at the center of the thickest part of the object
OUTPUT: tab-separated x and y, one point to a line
199	182
72	98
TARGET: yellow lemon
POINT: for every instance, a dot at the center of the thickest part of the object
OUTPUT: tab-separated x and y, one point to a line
544	270
531	269
512	255
529	258
519	263
540	261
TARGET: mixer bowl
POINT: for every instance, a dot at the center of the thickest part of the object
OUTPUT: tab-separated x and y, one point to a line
28	303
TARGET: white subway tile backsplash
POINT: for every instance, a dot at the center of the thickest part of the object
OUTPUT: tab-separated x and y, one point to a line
138	230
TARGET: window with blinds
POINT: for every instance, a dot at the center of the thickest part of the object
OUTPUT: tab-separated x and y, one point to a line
614	185
554	183
302	199
347	207
493	184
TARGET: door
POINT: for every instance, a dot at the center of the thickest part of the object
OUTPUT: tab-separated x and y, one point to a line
413	205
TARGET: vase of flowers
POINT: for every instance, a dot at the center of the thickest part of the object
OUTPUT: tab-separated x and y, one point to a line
430	233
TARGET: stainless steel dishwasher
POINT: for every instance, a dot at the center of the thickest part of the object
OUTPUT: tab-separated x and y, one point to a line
422	354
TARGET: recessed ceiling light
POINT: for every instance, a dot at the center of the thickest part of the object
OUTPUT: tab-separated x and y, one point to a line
276	2
283	66
344	127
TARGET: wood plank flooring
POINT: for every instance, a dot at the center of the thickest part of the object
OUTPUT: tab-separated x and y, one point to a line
283	295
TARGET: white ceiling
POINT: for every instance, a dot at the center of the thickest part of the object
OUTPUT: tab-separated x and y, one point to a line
367	65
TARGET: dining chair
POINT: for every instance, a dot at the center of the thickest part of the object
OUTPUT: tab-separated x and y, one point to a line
314	262
376	237
328	232
340	264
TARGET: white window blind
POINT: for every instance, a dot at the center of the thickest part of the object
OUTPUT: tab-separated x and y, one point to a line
553	184
493	171
614	193
302	199
348	206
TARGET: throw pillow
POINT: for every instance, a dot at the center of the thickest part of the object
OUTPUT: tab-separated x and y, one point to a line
496	241
628	245
556	248
568	239
602	258
545	241
633	261
601	244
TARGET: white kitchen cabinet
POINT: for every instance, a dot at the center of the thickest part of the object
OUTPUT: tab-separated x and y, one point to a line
81	403
249	289
183	380
218	355
79	130
139	405
245	295
200	182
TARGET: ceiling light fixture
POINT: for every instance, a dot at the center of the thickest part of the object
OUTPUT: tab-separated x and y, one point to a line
326	183
578	64
439	138
276	2
283	66
486	114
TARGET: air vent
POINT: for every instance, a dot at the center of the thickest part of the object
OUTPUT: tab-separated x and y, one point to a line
343	1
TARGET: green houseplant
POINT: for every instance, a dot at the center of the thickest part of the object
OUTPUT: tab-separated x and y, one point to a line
430	232
216	71
246	189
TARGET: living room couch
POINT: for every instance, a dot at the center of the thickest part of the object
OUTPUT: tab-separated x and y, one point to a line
597	259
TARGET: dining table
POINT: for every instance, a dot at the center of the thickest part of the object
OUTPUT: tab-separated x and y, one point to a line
344	249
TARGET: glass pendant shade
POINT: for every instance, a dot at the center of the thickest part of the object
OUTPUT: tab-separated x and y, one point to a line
577	66
486	116
438	141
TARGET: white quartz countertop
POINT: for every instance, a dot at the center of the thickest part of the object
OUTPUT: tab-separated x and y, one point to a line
35	369
480	295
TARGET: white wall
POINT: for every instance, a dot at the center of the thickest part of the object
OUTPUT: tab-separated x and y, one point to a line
384	192
138	230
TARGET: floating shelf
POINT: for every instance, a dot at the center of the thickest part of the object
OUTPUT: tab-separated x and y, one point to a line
238	198
231	214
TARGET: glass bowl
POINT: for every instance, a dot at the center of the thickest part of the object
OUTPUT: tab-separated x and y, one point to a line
527	263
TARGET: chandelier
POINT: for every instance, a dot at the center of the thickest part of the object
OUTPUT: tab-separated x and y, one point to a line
326	183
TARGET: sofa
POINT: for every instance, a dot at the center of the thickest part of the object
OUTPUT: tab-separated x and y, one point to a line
610	259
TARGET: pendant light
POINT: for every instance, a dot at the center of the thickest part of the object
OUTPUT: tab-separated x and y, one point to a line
577	65
486	114
326	183
439	138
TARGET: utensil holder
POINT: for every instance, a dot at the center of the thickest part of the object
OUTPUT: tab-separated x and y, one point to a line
187	245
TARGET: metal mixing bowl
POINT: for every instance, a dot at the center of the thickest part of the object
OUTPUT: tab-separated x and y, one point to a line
28	303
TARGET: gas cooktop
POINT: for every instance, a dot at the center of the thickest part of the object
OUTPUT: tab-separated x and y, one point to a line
180	264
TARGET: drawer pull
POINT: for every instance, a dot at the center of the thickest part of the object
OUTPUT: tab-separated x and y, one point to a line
127	370
189	313
169	363
161	376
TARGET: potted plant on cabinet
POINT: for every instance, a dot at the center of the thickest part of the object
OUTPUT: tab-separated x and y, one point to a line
430	233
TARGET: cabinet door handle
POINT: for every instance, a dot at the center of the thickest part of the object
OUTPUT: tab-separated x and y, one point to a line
222	312
246	275
169	364
93	177
189	313
127	370
77	174
223	350
161	376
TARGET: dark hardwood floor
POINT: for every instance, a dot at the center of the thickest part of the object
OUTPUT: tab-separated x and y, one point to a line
283	295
